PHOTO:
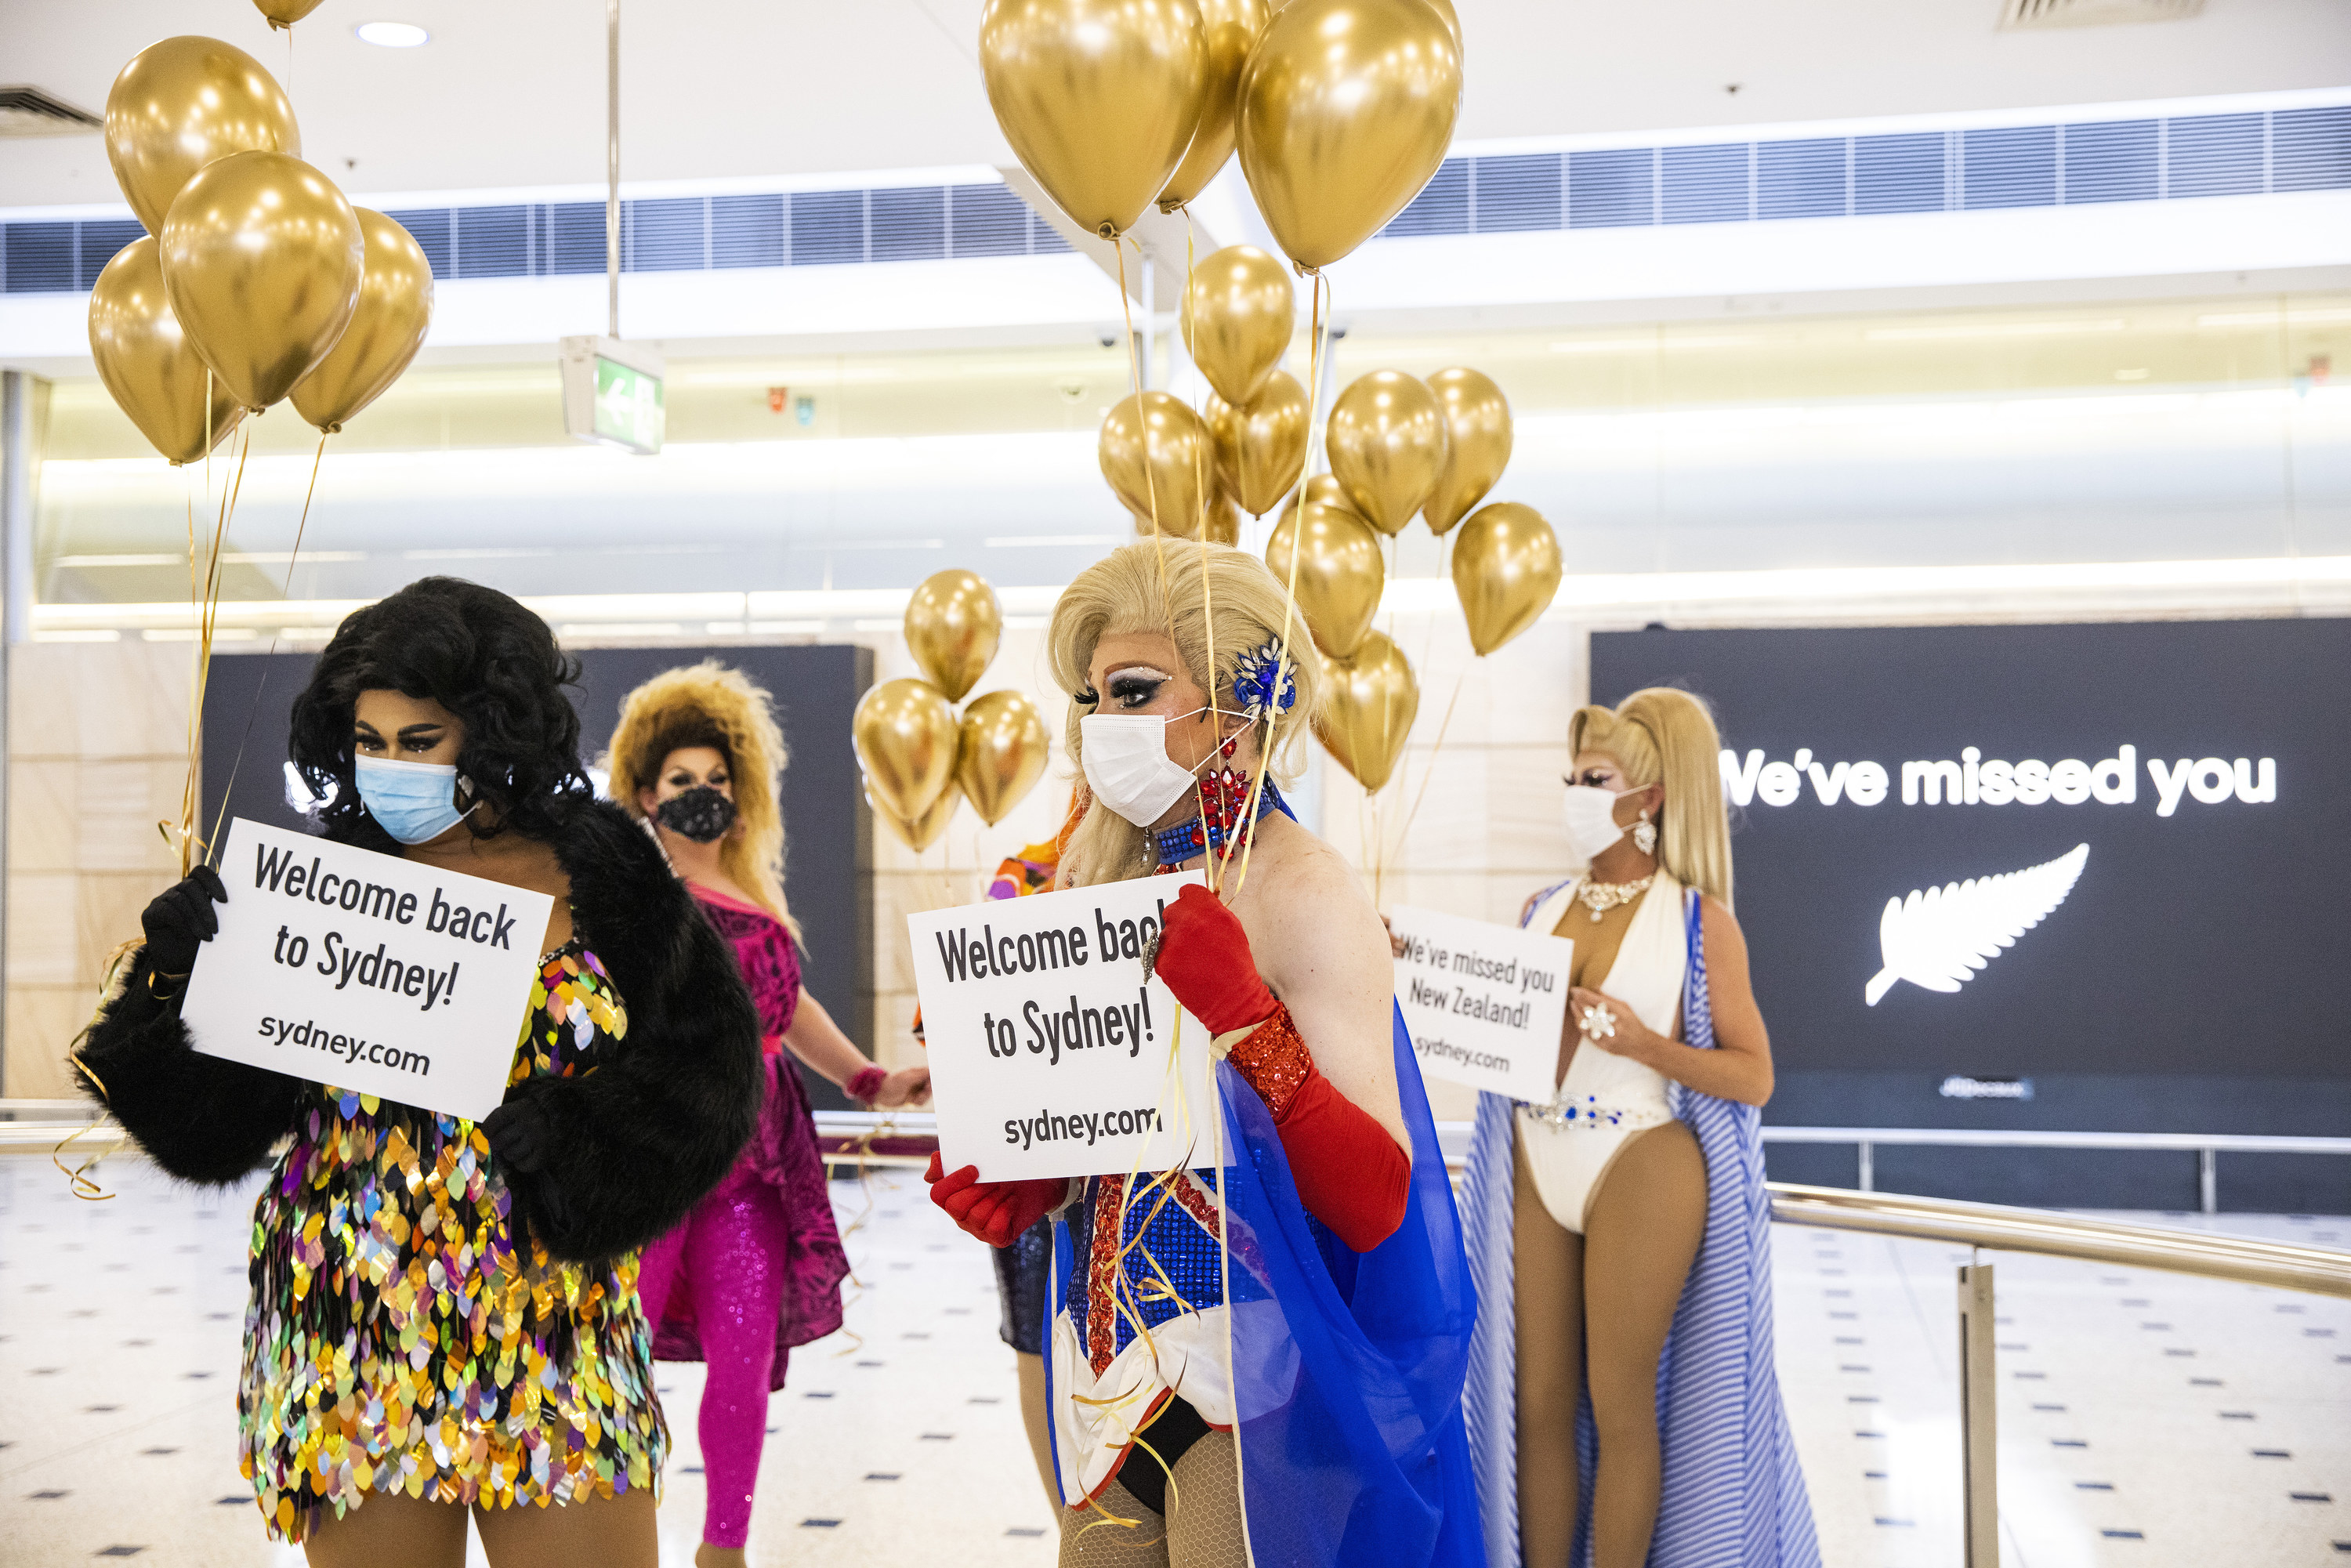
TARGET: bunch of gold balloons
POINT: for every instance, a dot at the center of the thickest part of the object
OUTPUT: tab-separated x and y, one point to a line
1399	447
1340	110
1185	476
919	758
256	278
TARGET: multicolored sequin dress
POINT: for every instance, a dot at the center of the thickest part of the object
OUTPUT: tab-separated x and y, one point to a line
399	1338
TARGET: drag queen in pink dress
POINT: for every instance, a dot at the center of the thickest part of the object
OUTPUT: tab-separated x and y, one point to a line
757	1267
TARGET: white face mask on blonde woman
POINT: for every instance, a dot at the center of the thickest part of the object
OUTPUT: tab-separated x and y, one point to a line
1591	815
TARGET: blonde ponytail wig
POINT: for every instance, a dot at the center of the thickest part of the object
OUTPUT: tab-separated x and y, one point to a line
710	704
1663	736
1212	597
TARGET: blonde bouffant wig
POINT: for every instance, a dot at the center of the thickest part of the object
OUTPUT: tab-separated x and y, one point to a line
1663	736
1213	598
710	704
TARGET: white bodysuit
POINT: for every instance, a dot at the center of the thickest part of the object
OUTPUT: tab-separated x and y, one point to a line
1607	1098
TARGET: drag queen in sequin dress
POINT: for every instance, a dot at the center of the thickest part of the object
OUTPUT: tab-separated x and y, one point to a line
757	1267
444	1316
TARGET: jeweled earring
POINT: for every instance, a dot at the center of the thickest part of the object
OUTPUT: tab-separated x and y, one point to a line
1645	834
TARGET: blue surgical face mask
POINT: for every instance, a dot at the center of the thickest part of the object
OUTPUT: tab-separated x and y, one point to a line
412	802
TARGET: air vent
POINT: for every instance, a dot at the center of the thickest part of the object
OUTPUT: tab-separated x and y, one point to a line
2017	14
29	112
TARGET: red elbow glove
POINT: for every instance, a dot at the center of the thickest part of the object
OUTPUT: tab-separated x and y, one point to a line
996	1212
1349	1172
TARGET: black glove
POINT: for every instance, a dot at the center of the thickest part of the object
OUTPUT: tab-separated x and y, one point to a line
519	1135
181	917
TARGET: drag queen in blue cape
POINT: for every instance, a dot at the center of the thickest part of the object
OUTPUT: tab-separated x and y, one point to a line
1260	1359
1622	1400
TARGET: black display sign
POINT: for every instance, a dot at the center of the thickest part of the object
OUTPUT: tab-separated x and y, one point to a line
2082	876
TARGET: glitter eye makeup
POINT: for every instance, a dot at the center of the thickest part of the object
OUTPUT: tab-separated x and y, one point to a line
1134	687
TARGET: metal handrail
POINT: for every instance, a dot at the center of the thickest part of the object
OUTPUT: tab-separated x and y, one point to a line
1999	1228
849	1137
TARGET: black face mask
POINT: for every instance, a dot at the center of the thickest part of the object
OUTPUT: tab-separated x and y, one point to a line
701	813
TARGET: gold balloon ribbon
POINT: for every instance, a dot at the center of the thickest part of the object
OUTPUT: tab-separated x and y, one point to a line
1290	599
77	1176
285	590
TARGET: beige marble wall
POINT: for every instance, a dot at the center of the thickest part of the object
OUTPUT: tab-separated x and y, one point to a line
97	753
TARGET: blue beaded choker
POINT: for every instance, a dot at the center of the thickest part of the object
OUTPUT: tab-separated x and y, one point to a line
1201	836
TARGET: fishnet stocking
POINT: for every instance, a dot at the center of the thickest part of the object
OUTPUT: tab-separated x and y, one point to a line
1205	1531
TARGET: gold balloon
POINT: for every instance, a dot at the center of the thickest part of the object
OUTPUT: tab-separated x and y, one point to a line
1229	29
925	831
156	376
1320	491
953	625
185	103
1367	708
1347	106
285	12
1387	442
1099	97
904	733
262	259
1261	448
1338	573
1452	18
386	331
1157	455
1000	753
1506	569
1239	308
1476	444
1223	526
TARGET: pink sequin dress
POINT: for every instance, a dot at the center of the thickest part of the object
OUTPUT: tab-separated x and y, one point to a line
757	1267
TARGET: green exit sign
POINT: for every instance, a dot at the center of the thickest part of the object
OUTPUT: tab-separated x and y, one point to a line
628	406
612	394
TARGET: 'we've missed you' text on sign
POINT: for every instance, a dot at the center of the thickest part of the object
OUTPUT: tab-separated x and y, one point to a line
365	971
1484	1003
1051	1053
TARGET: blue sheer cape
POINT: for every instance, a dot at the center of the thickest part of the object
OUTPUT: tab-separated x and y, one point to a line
1349	1381
1347	1368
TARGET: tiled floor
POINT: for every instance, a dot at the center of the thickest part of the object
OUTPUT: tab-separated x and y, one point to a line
2145	1419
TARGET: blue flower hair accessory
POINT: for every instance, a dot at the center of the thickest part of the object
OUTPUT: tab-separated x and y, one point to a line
1263	682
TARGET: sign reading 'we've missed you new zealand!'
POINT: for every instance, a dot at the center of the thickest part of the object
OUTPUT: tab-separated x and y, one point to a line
1484	1003
366	971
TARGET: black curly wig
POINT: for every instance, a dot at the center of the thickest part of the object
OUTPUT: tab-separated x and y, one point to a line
481	655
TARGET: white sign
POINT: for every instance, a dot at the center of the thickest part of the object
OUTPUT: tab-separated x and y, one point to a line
366	971
1484	1003
1052	1055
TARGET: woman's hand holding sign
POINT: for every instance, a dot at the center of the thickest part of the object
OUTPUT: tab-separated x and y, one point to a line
1205	960
180	919
995	1211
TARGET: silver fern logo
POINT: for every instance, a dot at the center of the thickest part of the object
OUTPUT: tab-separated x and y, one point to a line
1938	939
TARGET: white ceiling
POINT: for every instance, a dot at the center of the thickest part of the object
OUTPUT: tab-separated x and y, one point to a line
512	94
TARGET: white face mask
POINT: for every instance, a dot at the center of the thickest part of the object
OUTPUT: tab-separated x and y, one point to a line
1590	813
1127	765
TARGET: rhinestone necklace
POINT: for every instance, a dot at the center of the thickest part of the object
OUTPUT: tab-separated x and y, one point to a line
1602	897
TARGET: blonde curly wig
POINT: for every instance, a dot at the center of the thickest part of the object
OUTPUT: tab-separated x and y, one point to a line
710	704
1223	600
